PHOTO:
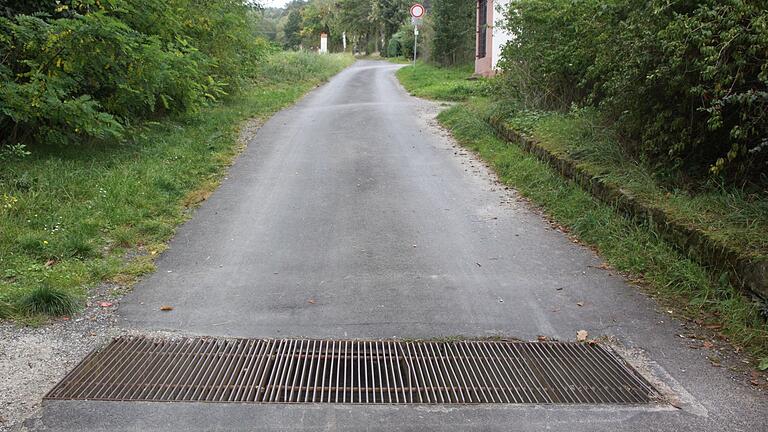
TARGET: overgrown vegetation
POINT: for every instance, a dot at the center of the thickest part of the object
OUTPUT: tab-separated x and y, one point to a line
684	82
112	125
628	245
73	216
84	70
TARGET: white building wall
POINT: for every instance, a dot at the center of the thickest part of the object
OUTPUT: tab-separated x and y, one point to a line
500	36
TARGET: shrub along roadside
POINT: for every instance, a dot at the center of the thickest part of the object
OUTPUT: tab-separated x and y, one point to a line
685	82
72	215
81	70
626	245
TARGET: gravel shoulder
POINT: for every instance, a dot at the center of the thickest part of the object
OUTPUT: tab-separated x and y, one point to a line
34	359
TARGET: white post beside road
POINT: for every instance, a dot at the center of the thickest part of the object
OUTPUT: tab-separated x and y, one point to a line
323	43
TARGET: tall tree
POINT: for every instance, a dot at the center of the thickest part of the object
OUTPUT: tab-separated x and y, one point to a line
391	15
292	30
454	23
357	20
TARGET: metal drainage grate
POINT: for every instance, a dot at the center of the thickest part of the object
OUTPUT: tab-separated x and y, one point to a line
358	372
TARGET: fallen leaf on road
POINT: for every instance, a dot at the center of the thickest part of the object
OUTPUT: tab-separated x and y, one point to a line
166	308
311	301
708	345
582	335
580	304
105	304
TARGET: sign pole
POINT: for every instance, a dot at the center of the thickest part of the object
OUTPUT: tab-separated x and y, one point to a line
417	12
415	42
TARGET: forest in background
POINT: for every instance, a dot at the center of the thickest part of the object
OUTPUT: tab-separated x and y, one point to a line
381	27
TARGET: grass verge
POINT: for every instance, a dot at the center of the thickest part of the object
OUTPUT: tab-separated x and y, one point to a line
74	217
448	84
629	246
729	215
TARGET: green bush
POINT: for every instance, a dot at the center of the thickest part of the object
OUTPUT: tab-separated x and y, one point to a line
403	40
86	69
394	48
685	81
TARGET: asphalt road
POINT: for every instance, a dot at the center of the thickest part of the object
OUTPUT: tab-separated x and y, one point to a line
351	216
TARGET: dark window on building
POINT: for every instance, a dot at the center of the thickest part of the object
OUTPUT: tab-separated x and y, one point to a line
482	30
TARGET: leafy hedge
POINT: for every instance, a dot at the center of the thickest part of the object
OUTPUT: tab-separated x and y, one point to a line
685	80
84	69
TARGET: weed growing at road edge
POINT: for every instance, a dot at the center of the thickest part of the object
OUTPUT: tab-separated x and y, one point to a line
47	300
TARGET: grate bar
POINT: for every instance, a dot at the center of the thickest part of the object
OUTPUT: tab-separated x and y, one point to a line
353	372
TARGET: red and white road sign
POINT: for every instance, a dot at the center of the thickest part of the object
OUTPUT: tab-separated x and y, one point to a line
417	10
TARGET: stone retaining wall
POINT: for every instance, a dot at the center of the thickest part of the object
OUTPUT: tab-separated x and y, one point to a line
745	272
